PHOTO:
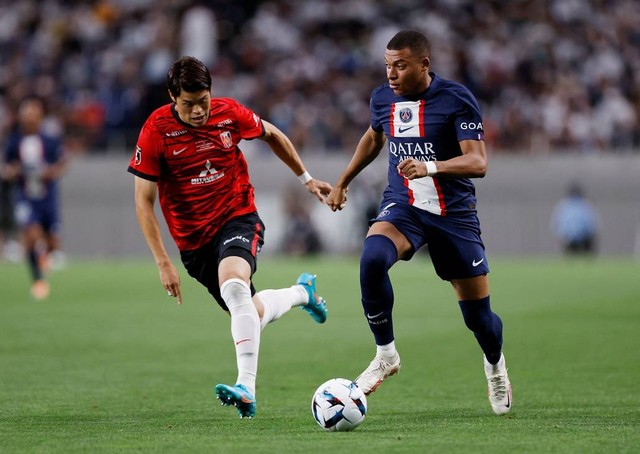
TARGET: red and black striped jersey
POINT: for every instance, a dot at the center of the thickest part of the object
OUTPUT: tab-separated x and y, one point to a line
202	176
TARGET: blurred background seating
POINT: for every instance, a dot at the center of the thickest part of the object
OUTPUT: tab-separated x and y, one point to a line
552	76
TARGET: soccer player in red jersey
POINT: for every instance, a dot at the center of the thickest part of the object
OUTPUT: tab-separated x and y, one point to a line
433	129
187	154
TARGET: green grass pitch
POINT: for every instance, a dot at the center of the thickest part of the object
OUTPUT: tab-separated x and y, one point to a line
109	363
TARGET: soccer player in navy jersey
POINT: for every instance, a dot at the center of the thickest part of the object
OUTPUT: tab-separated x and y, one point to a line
433	128
187	154
36	161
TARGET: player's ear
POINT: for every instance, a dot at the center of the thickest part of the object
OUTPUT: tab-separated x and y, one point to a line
171	96
426	63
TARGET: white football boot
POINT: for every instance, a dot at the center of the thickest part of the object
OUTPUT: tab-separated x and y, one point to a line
378	370
499	386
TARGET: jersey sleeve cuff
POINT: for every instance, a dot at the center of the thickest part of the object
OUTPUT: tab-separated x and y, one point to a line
472	136
263	133
142	175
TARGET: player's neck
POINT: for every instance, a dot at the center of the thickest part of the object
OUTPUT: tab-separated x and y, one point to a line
428	81
421	87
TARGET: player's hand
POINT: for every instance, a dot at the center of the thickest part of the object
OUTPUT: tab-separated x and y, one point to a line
49	174
170	280
10	172
412	169
337	199
318	188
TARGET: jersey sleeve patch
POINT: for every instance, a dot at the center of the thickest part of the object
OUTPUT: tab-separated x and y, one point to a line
146	157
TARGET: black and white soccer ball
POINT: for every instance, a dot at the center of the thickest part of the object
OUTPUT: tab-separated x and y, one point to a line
338	405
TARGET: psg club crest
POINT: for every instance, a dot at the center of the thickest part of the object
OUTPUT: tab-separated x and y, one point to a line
405	115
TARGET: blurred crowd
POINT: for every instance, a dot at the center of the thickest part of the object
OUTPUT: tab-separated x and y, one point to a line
551	75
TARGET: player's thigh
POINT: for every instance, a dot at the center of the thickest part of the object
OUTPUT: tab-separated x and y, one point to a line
32	233
402	243
456	248
202	265
239	242
471	288
235	267
50	219
241	239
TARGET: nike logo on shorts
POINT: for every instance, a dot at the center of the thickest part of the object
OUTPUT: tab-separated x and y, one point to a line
177	152
474	263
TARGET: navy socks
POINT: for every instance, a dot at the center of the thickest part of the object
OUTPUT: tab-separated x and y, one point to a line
34	266
378	255
485	325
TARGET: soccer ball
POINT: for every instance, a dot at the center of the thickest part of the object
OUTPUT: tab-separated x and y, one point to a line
338	405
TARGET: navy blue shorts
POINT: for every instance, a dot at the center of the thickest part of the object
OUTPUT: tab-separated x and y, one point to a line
240	237
454	242
43	212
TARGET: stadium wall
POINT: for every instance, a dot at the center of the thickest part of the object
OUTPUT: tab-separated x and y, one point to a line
516	200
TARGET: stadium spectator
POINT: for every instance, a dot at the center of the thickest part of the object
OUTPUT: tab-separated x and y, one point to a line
35	160
188	154
433	128
300	236
575	222
7	223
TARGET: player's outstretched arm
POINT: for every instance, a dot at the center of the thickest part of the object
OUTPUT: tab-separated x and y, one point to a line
145	197
284	149
366	152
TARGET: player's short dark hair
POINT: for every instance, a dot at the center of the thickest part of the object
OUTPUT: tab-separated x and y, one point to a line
188	74
415	41
34	98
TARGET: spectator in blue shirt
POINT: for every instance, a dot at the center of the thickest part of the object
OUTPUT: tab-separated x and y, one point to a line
575	222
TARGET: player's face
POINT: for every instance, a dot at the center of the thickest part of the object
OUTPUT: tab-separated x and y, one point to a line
407	74
30	115
193	107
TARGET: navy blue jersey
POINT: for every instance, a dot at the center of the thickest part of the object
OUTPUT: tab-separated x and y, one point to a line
428	127
33	153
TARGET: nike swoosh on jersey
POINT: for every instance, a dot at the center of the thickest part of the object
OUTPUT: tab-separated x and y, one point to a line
177	152
474	263
401	130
